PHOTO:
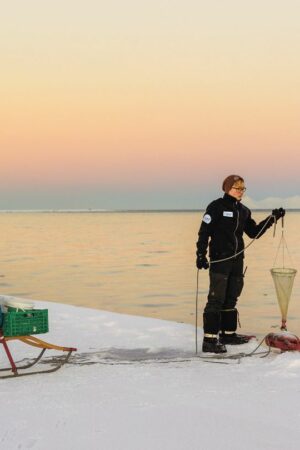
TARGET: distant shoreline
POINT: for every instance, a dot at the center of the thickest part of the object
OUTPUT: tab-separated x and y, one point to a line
119	211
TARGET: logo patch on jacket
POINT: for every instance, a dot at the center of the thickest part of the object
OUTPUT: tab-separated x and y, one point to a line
207	218
227	213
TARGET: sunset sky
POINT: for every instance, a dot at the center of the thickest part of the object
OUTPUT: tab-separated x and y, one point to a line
148	104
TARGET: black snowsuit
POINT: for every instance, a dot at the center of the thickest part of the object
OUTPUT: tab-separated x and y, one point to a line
224	222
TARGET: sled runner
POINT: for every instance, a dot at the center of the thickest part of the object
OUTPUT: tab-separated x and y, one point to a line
19	325
18	370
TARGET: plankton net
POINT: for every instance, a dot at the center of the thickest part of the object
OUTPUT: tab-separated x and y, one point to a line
283	278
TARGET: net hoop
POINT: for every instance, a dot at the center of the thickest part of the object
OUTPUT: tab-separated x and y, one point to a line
283	271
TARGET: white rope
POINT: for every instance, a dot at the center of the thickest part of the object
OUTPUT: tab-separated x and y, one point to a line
247	246
218	358
282	244
196	319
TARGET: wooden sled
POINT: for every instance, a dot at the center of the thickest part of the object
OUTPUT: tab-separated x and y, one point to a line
20	370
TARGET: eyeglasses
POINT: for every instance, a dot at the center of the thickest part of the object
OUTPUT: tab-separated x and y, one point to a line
239	189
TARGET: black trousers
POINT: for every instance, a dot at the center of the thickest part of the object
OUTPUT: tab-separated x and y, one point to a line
226	285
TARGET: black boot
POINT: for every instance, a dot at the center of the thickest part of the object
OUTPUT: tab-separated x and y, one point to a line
229	320
212	345
233	339
211	327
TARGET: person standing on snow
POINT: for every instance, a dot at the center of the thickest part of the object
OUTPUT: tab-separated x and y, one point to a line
224	222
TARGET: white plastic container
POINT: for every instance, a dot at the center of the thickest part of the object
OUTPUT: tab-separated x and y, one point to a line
15	304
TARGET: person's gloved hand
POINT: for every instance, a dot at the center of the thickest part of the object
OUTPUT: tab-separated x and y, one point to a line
202	262
278	213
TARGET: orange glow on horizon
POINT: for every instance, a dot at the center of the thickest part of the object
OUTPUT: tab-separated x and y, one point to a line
156	94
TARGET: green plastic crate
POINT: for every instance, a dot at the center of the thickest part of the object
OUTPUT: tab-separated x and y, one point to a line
23	323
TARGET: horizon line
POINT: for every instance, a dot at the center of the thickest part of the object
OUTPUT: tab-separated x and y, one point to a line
131	210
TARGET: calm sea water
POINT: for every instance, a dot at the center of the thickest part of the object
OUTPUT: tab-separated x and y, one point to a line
139	263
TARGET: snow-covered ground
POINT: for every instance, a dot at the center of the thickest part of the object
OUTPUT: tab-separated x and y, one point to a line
135	384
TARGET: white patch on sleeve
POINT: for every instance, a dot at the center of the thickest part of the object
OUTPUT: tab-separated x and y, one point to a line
207	218
227	213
